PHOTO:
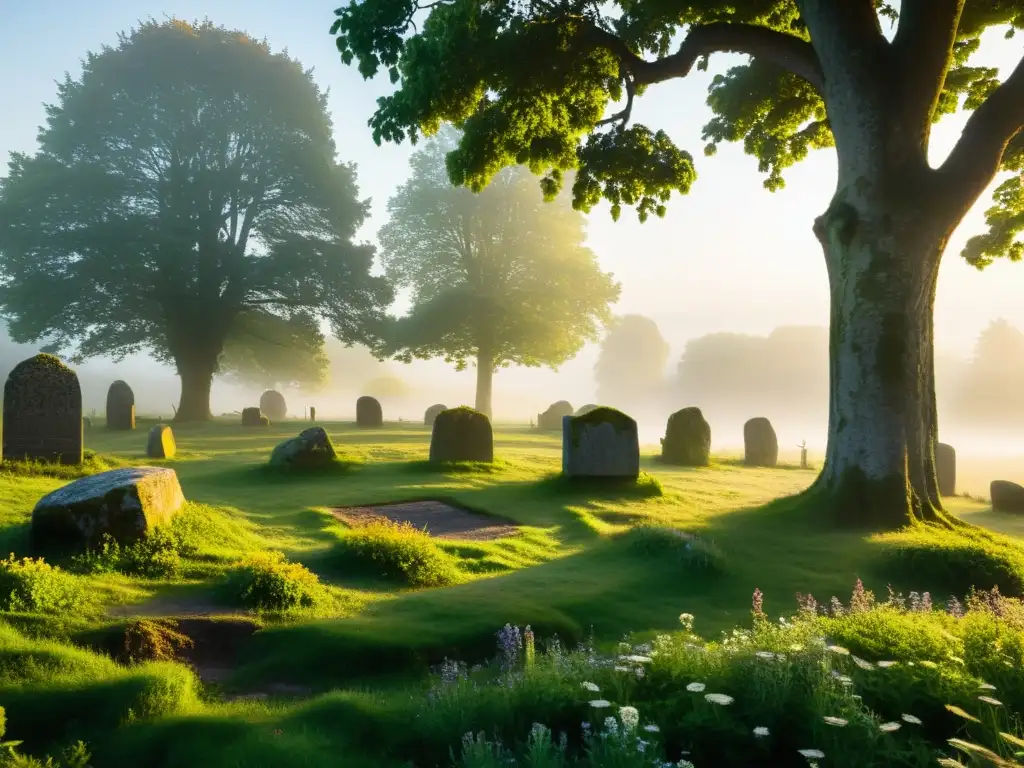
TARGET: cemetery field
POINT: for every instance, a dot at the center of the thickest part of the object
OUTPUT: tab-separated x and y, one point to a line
287	665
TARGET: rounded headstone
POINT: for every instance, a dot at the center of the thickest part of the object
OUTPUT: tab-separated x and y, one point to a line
583	410
461	434
687	441
760	443
120	406
602	443
253	417
945	469
432	413
368	412
42	412
1006	497
273	406
160	443
551	419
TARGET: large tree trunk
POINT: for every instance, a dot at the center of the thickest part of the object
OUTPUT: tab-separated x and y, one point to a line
484	380
196	372
883	259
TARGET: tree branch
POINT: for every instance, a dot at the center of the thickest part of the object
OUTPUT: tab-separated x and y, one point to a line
976	158
786	51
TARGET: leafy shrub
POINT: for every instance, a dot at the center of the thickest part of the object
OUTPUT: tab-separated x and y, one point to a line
268	582
155	556
398	551
153	640
34	586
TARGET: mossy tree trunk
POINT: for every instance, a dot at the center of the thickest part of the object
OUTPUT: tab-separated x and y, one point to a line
484	380
196	344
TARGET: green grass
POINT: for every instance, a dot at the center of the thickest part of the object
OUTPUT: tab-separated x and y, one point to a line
355	617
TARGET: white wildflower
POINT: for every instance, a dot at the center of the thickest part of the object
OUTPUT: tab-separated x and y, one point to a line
590	686
538	730
889	727
684	764
718	698
986	687
913	720
639	671
861	663
990	700
812	754
884	664
695	687
611	725
620	668
760	731
600	703
651	728
765	655
837	649
629	717
835	720
637	659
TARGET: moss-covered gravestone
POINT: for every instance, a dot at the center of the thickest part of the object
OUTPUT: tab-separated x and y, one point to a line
368	412
945	469
687	441
1007	497
253	417
120	406
42	412
602	443
551	419
432	413
160	443
273	405
583	410
461	434
760	443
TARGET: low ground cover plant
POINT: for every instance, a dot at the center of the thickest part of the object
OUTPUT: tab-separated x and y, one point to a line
266	581
397	551
31	585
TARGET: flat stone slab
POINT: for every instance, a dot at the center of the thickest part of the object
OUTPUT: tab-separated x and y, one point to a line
442	521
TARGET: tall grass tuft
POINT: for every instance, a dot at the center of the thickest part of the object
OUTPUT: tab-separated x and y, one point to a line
397	551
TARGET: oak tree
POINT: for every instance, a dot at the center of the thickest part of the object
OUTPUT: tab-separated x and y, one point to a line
275	352
185	181
552	83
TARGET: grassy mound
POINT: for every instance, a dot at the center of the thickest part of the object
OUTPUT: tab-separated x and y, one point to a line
92	463
397	551
266	581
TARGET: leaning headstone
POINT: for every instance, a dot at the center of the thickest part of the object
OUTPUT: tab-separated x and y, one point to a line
160	443
687	441
945	469
461	434
42	412
125	503
602	443
253	417
432	413
310	449
120	406
368	412
551	419
272	404
1006	497
760	443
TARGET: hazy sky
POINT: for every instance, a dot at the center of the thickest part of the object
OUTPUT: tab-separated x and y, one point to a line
730	256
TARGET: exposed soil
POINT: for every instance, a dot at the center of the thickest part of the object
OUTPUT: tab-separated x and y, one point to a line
440	519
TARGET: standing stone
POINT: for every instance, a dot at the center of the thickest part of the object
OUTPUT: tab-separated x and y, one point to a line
945	469
432	413
368	412
602	443
120	406
312	413
760	443
252	417
687	441
461	434
42	412
312	448
551	419
1006	496
160	444
273	405
125	503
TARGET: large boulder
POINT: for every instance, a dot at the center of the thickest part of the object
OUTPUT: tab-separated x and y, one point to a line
687	441
125	503
551	419
272	405
310	449
432	413
602	443
368	412
1007	497
120	406
160	443
945	469
42	412
461	434
760	443
253	417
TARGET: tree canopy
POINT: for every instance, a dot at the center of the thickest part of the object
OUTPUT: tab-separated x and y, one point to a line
271	351
185	189
631	364
499	276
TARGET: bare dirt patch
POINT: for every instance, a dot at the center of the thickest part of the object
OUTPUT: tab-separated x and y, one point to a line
441	519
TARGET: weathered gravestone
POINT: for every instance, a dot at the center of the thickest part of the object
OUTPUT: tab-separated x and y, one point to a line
687	441
253	417
760	443
125	503
1006	497
551	419
160	443
461	434
945	469
42	412
120	406
310	449
432	412
312	413
602	443
368	412
272	404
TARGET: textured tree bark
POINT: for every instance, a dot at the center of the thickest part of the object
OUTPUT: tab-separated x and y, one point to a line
196	373
484	380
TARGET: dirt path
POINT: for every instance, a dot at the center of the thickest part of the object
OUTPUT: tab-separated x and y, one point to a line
439	519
